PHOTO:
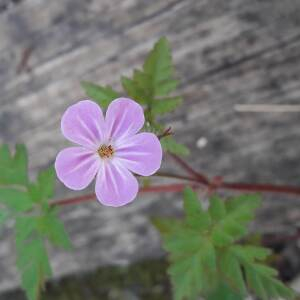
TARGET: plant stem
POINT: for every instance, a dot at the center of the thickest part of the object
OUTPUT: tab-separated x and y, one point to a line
195	179
151	189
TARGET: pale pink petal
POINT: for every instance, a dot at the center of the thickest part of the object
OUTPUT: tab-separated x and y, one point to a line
83	124
76	167
140	153
115	185
124	117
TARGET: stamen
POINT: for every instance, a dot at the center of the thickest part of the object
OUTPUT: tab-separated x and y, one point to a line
106	151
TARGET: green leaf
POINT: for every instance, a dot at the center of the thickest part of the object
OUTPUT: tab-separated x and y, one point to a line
166	87
225	293
13	168
25	227
51	227
217	209
250	253
196	217
205	259
32	257
233	225
4	215
166	105
231	272
15	199
21	163
43	188
102	95
260	278
158	66
33	263
170	145
152	85
193	271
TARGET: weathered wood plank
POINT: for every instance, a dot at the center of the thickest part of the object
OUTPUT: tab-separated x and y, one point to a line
226	53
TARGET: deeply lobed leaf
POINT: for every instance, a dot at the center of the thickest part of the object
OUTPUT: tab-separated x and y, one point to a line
205	257
103	95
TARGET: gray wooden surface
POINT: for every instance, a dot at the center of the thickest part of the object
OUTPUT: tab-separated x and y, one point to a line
226	53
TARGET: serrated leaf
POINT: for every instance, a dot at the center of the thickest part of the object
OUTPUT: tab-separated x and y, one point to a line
250	253
152	85
158	64
21	163
134	90
195	215
103	95
32	257
231	272
239	212
260	278
217	208
24	228
52	228
43	188
204	251
166	87
15	199
13	168
225	293
34	266
170	145
165	105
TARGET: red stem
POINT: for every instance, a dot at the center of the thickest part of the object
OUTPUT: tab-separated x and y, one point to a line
269	188
201	178
150	189
198	179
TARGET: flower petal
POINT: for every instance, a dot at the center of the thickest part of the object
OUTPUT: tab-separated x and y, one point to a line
115	185
124	117
76	167
83	123
141	153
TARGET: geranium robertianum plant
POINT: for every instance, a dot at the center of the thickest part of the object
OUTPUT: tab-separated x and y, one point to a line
206	255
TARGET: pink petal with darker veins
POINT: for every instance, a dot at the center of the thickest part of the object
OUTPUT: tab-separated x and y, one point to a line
124	117
76	167
83	124
140	153
115	185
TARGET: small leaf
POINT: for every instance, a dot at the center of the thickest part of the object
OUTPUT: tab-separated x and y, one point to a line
13	169
217	209
225	293
15	199
44	187
102	95
158	64
166	87
52	228
134	90
166	105
195	215
231	272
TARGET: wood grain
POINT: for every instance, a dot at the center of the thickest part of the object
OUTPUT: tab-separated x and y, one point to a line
226	53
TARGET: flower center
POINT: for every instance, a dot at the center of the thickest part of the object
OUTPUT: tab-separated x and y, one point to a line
106	151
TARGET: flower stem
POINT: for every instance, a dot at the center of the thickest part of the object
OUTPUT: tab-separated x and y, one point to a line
194	180
150	189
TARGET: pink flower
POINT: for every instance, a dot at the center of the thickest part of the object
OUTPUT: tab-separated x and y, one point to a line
109	149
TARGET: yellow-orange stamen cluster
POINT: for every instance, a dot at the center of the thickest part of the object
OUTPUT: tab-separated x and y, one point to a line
105	151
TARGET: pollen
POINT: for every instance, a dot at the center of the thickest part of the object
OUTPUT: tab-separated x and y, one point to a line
105	151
